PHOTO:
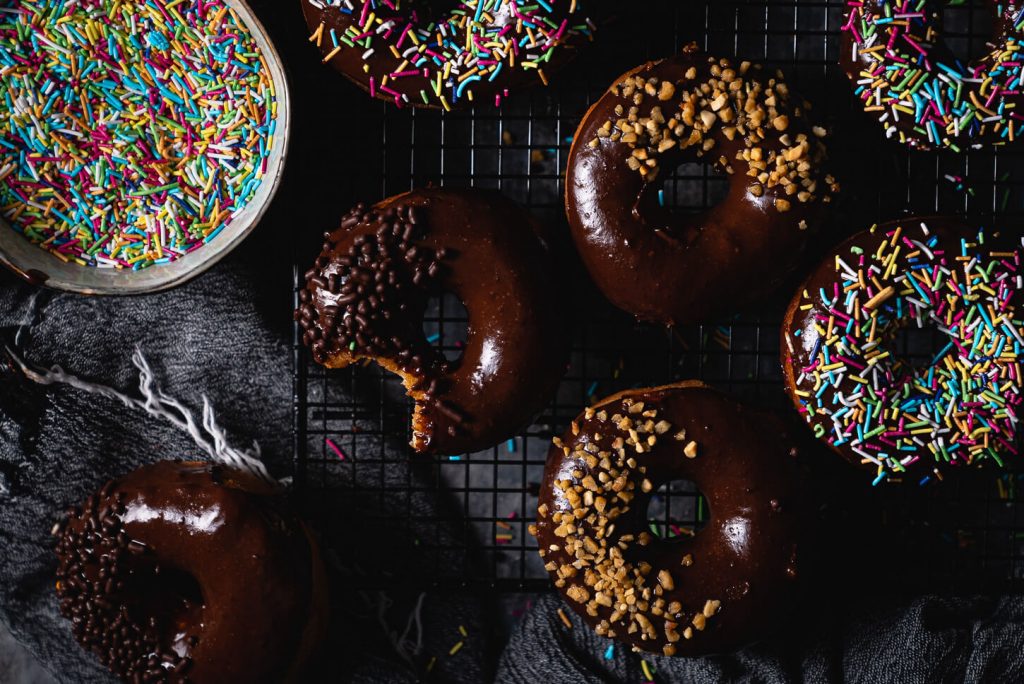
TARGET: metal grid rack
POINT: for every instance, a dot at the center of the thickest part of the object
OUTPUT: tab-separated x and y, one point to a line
469	514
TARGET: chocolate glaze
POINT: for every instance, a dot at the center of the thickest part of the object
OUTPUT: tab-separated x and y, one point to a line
1002	30
350	63
475	244
796	349
746	556
670	268
260	607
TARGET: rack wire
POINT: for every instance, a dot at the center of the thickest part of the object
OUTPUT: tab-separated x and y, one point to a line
469	513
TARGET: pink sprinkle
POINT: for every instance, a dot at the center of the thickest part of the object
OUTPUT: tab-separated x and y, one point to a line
335	449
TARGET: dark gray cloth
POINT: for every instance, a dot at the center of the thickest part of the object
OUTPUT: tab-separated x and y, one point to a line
213	337
928	640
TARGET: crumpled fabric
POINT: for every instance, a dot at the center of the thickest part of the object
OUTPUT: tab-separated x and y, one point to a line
928	639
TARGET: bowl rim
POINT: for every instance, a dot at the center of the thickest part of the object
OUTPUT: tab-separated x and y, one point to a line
122	282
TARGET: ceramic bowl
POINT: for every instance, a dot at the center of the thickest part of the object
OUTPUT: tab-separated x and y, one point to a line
39	266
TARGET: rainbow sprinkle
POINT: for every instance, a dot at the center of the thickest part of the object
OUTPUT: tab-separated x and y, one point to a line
476	42
134	130
920	91
958	409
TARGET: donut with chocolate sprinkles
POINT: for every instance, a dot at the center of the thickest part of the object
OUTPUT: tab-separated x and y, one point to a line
725	587
678	269
191	572
366	295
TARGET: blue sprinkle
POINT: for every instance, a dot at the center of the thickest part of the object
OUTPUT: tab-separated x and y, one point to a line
610	653
158	40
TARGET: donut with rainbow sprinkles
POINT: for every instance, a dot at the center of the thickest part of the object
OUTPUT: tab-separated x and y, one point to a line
906	76
911	416
414	53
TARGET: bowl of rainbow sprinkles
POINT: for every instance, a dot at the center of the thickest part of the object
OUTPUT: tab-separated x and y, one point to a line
140	140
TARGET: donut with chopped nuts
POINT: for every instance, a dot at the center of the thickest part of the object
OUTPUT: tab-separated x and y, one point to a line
191	572
678	269
728	585
365	298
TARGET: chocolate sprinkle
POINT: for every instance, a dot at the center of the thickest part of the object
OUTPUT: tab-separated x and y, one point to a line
367	301
96	558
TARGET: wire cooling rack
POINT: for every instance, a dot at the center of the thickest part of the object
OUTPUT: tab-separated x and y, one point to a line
963	533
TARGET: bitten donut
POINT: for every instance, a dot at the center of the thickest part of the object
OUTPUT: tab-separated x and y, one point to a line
430	54
366	294
710	594
191	572
909	79
670	268
844	370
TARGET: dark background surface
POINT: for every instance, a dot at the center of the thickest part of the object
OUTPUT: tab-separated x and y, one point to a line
346	148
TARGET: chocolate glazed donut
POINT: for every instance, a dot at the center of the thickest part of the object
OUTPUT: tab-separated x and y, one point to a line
906	76
191	572
675	269
951	403
424	53
366	295
711	594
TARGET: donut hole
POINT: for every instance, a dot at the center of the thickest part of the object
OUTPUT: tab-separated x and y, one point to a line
446	325
691	188
170	597
967	29
913	349
677	511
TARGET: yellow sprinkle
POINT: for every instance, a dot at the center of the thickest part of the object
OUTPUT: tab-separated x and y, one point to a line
331	55
880	297
317	34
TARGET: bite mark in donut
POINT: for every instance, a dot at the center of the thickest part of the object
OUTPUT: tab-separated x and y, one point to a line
878	409
413	54
191	572
673	269
366	295
712	593
906	76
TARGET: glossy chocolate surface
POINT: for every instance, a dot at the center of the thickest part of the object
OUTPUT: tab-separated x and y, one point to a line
672	268
746	556
801	337
216	559
488	252
505	20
